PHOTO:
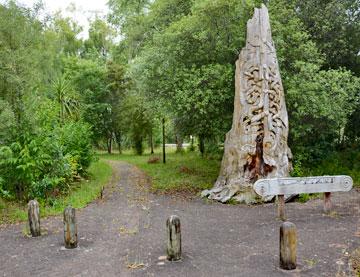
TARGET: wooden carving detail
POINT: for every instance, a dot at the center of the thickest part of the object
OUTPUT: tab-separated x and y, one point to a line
256	146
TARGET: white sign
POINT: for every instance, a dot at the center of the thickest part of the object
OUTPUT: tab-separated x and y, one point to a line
297	185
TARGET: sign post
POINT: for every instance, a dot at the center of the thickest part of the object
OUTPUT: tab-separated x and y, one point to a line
297	185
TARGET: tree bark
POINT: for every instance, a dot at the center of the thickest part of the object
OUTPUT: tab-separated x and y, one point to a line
118	141
163	133
202	145
179	143
109	145
151	143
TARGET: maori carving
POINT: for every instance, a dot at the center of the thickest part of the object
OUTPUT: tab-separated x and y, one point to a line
256	146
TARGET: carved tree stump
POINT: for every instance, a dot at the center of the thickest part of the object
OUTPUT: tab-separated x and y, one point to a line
288	245
256	146
34	218
174	238
70	228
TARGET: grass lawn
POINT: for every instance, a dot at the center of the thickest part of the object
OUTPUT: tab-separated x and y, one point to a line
183	172
83	193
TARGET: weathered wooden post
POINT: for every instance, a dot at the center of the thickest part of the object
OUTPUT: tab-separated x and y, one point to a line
281	207
288	245
34	218
327	202
70	228
174	238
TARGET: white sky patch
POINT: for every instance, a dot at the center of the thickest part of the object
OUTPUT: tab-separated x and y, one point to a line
85	10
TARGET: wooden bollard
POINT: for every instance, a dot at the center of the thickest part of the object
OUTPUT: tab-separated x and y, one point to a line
70	228
288	245
281	207
34	218
173	238
327	202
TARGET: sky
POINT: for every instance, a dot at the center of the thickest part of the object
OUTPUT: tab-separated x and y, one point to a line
85	9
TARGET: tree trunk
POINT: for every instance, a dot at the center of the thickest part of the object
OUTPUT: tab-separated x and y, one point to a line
179	143
151	143
202	144
118	141
163	133
256	146
109	145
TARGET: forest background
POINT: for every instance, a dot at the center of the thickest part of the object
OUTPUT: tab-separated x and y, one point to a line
62	97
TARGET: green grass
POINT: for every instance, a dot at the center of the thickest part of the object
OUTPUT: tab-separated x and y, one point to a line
304	197
82	193
183	172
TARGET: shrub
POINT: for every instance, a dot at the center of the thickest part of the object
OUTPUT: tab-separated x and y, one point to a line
37	164
76	140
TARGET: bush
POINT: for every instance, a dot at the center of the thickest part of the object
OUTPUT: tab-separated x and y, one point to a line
76	140
346	162
38	164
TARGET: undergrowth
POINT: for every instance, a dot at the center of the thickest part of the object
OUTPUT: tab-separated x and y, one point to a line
81	194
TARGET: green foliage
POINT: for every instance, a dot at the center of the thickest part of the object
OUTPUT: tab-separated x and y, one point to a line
79	196
42	163
100	36
66	98
7	121
139	117
346	162
59	95
75	138
334	25
319	104
305	197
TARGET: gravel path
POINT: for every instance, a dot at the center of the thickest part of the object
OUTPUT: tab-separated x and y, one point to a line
124	235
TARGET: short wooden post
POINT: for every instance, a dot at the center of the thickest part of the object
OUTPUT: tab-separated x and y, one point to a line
70	228
327	202
34	218
174	238
281	207
288	245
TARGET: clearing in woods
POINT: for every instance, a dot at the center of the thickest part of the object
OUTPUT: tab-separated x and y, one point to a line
124	234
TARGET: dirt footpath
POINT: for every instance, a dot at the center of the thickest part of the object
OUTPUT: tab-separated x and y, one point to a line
124	235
